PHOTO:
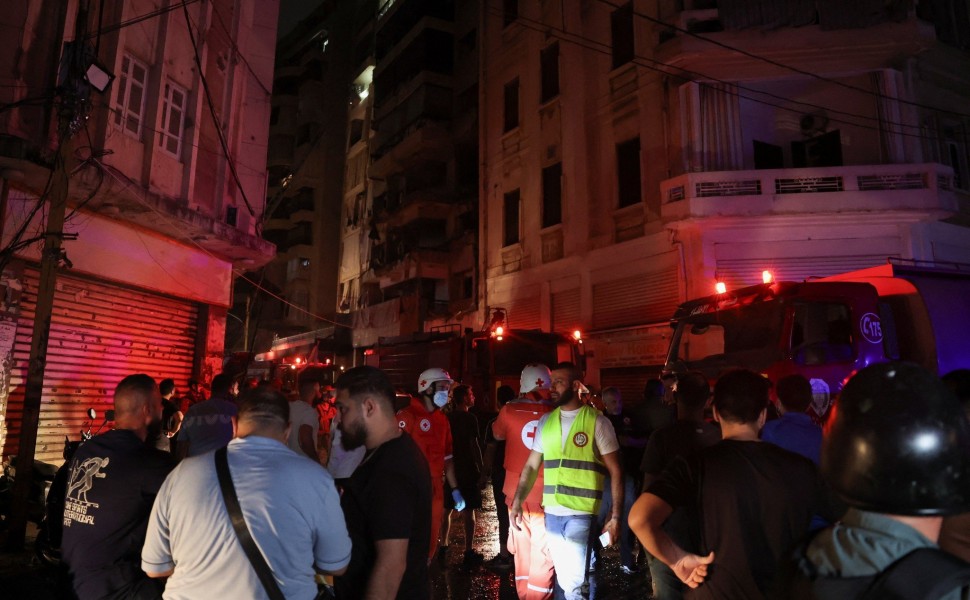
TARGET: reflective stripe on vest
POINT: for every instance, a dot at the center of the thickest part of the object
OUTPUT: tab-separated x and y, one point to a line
574	476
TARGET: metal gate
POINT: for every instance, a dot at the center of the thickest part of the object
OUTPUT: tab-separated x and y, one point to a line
100	333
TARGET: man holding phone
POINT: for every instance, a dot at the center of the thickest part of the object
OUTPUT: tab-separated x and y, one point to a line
577	447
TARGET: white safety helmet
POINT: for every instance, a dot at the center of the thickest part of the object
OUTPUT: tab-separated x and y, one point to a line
535	376
429	376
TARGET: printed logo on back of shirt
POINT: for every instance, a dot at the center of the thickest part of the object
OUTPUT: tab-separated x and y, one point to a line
529	433
425	425
580	439
76	502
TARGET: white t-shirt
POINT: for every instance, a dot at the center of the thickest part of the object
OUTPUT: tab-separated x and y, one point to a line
301	414
289	503
605	443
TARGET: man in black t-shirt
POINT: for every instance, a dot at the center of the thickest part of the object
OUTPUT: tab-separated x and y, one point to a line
387	501
749	501
114	479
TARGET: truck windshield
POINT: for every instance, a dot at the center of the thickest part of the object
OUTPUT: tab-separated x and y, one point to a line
746	335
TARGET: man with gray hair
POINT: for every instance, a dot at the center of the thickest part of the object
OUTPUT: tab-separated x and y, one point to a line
289	504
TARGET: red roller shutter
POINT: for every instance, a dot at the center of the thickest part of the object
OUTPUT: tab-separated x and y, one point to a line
565	310
100	333
525	313
637	300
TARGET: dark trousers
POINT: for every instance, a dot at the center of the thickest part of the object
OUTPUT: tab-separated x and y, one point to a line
501	509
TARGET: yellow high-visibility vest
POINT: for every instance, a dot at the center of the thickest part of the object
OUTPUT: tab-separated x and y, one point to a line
574	475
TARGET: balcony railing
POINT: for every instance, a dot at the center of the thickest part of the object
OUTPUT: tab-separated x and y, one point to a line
859	187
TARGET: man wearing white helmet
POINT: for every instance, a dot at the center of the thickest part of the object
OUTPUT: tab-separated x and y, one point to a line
429	427
516	425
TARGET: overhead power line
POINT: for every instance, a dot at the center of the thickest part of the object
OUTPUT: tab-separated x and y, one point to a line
687	75
785	66
212	111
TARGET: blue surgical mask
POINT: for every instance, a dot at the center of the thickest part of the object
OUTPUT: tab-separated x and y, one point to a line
440	399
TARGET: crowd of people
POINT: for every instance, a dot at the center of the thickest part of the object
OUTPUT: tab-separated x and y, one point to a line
351	491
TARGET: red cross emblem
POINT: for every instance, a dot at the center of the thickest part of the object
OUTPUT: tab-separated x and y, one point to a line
540	382
529	433
423	383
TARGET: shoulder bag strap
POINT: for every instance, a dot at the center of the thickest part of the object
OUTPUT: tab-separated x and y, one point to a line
242	531
923	573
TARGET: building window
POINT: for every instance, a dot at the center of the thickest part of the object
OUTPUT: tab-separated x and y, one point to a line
510	221
510	12
621	28
552	195
549	67
173	119
130	96
628	172
511	105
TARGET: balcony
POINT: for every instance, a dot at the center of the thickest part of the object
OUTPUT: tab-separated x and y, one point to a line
421	263
923	187
809	47
400	209
422	141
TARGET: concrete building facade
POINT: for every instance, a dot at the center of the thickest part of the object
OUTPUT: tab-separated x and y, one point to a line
409	218
166	193
633	153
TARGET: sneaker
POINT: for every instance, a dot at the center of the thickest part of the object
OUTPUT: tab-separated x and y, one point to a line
499	562
629	570
472	558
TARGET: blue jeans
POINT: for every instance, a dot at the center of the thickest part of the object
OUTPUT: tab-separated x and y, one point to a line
568	538
626	536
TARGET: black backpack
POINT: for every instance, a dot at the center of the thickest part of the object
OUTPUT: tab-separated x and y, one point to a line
926	573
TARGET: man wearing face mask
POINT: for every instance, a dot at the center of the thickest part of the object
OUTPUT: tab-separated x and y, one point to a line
424	421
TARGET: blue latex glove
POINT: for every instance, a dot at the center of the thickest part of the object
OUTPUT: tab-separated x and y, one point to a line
459	500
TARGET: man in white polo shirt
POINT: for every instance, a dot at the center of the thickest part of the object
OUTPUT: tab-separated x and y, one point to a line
290	506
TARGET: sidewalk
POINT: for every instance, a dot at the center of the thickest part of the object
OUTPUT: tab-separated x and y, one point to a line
23	577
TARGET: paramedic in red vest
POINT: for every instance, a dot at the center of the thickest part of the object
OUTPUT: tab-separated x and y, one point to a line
577	446
424	421
516	425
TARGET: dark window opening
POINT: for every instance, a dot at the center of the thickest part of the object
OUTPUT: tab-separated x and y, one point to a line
549	67
628	172
511	120
510	12
510	221
552	195
621	30
356	131
821	151
231	213
768	156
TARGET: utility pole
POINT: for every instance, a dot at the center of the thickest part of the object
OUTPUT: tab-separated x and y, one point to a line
34	387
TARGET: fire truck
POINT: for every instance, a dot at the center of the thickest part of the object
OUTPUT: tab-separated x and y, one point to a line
484	360
827	329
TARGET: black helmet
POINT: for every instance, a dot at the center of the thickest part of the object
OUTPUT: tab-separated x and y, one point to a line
899	443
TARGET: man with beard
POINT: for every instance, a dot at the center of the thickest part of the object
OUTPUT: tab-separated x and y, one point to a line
577	446
387	501
113	482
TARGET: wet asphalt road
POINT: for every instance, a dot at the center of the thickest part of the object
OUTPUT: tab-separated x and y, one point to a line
23	577
451	581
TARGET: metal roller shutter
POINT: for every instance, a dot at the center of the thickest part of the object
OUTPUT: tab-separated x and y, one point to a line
740	272
565	310
100	333
525	313
641	299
